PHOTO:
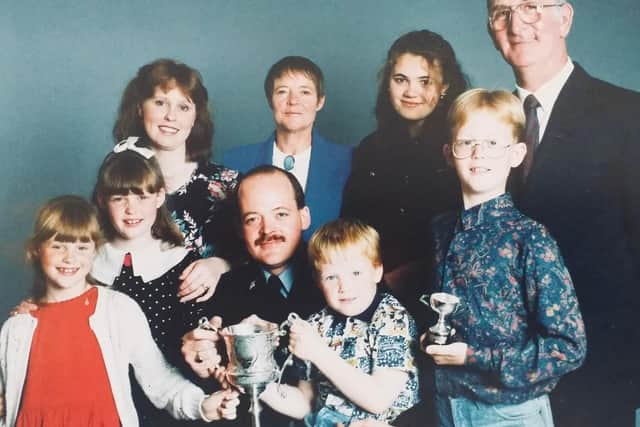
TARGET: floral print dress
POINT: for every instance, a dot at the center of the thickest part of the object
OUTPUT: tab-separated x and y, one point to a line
202	210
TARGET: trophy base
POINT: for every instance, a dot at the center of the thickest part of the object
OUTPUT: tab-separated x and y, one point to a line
440	337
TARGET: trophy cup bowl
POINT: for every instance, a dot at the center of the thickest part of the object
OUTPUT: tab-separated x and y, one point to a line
252	364
444	304
250	351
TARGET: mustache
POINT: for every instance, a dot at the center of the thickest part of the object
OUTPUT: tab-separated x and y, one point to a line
268	238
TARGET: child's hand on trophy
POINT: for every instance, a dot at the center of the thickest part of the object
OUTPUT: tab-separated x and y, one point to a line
450	354
304	341
220	405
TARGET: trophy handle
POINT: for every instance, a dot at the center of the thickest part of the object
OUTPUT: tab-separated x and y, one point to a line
425	300
287	362
204	323
287	323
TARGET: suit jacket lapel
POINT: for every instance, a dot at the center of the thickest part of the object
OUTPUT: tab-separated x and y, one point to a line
564	118
571	104
264	156
315	182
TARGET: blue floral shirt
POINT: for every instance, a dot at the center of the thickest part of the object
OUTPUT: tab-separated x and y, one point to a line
383	336
519	315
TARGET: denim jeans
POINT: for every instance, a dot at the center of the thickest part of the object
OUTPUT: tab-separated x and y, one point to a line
325	417
461	412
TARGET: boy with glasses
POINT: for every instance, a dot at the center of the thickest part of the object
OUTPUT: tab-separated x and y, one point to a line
520	328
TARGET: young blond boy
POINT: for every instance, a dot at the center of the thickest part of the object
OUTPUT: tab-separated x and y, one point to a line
359	350
520	328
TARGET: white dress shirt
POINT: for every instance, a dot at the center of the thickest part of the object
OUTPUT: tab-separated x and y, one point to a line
547	94
301	166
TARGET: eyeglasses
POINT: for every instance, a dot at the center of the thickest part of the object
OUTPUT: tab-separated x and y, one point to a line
529	12
463	148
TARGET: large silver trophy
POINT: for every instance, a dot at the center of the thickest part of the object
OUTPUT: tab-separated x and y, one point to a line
251	362
444	304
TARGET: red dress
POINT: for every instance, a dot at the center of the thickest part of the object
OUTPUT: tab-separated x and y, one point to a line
66	382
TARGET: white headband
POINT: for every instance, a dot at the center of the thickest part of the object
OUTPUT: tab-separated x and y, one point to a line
130	144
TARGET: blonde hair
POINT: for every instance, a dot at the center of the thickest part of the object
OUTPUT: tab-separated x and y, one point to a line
342	234
504	105
65	219
129	172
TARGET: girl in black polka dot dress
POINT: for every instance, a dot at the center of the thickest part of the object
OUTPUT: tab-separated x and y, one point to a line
144	256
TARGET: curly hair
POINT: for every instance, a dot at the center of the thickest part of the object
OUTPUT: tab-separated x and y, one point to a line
437	52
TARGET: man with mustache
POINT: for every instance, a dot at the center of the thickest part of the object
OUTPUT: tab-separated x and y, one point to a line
276	280
581	181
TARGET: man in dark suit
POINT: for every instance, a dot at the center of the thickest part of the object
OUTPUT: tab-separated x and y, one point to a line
583	183
276	281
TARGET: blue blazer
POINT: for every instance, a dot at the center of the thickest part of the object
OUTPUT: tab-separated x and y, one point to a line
329	168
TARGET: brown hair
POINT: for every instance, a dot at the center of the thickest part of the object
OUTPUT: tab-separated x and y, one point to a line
505	105
66	219
340	234
294	64
129	172
167	74
438	53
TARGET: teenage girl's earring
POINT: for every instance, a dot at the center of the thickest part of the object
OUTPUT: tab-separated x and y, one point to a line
442	95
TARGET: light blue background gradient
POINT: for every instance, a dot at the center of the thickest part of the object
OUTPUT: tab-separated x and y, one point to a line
64	65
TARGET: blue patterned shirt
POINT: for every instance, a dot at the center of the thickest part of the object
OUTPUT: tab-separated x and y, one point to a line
383	336
519	315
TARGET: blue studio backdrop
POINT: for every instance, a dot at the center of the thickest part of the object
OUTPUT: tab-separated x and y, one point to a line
64	65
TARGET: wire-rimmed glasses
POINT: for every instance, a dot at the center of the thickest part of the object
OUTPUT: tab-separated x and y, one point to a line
529	12
463	148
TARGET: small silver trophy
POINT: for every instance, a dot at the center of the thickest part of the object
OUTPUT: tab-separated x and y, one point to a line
251	362
443	304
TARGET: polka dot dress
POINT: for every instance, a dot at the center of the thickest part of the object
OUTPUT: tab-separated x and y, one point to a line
168	318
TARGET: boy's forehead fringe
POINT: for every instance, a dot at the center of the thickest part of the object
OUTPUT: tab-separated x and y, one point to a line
331	253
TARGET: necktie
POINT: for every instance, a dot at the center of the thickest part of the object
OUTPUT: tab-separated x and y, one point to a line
531	133
127	260
276	286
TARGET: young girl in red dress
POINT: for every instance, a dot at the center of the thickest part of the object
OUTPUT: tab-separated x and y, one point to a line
67	362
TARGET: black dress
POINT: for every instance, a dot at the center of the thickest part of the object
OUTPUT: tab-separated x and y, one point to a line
397	185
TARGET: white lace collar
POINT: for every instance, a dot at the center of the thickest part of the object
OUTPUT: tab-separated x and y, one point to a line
148	263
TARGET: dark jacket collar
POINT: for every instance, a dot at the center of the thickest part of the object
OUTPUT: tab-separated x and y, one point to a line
365	316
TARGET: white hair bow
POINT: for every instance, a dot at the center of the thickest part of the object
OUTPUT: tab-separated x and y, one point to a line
130	144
